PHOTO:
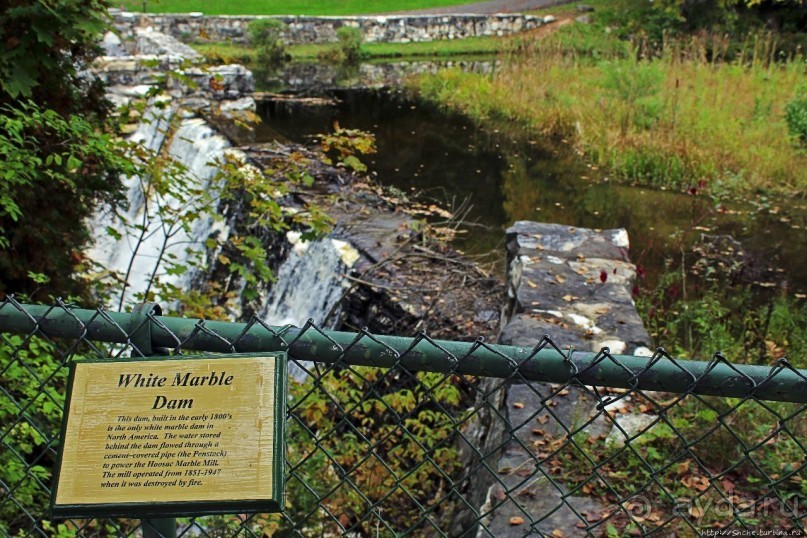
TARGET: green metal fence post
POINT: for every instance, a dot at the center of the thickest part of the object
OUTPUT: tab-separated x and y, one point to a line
662	373
140	337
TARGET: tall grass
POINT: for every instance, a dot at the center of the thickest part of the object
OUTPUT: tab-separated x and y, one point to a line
680	118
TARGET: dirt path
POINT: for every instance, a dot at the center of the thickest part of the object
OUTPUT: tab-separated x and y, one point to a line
489	7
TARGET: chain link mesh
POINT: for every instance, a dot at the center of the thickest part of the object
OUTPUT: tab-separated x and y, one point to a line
389	451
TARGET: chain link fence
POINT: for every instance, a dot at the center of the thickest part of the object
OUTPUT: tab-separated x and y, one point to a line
391	436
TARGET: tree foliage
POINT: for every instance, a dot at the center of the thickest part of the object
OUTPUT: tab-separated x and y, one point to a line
727	13
54	170
48	46
59	158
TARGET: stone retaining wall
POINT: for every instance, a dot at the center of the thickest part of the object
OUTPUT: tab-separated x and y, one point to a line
377	29
574	284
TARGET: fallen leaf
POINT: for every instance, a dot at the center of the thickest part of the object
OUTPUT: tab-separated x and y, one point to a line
543	419
518	405
560	279
516	520
557	533
531	284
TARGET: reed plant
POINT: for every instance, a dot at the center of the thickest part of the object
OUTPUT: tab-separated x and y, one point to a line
681	116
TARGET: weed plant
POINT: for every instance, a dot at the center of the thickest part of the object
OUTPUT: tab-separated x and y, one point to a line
675	119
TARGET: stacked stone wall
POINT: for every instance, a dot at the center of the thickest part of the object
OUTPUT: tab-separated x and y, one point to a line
299	29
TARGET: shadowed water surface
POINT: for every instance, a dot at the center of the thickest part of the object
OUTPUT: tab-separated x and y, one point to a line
502	176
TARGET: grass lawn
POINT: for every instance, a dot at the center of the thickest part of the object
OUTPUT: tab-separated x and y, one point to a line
230	52
281	7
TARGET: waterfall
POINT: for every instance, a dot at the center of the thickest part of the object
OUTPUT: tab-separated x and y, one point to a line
150	236
308	284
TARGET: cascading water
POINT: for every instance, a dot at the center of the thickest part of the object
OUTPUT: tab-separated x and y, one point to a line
151	233
308	284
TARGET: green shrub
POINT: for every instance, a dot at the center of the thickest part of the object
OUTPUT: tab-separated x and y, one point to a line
267	37
32	372
347	50
796	116
635	86
350	39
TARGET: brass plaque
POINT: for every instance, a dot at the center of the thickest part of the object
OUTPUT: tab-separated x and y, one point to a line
180	435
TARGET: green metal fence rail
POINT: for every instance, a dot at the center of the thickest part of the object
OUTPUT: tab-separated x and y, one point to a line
391	436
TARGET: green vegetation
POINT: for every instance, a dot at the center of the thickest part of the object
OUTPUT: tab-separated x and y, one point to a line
283	7
59	159
667	473
407	418
347	49
33	360
796	116
678	118
717	315
266	36
244	54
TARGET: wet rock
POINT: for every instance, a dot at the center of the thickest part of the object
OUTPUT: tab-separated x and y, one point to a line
112	45
151	42
220	82
401	280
